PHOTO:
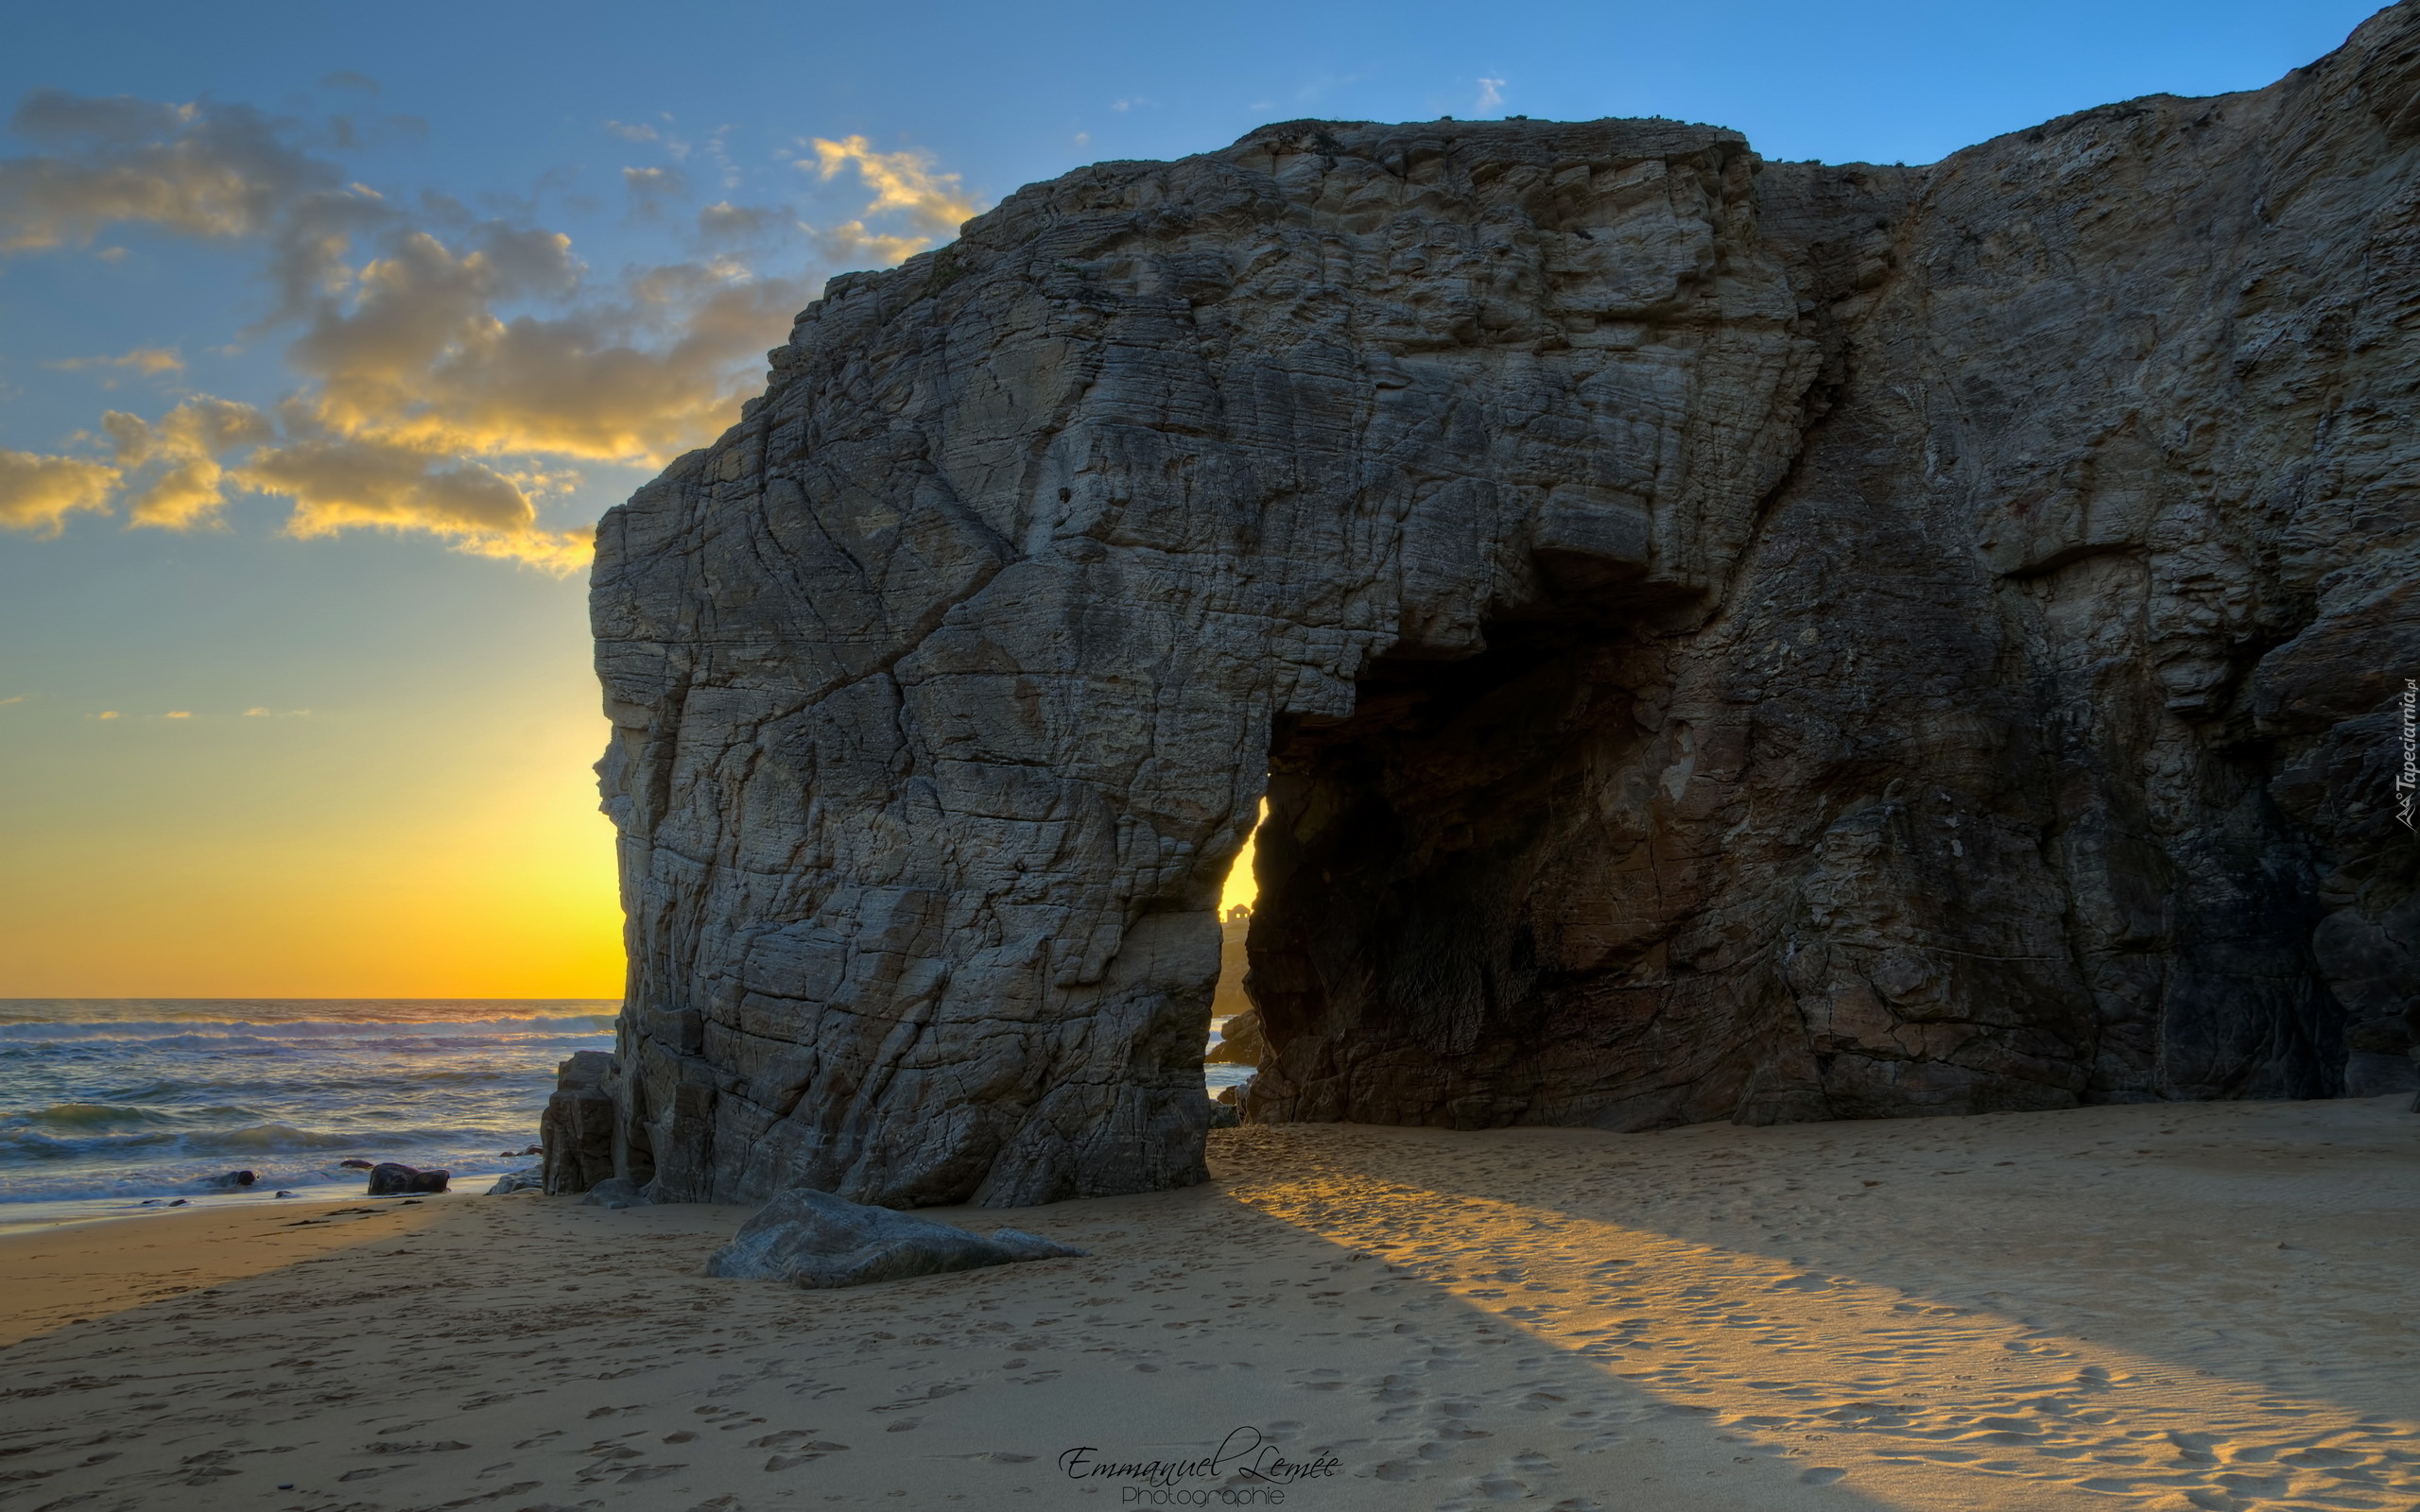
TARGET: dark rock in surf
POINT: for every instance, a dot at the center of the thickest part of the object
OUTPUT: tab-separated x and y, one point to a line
393	1180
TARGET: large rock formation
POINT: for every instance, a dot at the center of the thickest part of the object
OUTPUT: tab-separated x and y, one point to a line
1721	639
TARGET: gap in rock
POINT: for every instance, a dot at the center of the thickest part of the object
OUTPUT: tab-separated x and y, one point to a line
1230	1001
1423	847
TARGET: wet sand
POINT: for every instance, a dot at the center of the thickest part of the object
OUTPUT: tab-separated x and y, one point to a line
2205	1306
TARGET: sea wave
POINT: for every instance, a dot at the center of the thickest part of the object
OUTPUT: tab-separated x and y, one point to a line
172	1033
116	1117
143	1098
292	1010
32	1144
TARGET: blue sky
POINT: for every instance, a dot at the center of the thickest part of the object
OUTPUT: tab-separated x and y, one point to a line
388	305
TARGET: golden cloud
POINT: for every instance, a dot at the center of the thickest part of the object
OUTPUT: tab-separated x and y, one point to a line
144	362
903	182
342	484
38	492
850	245
447	369
420	358
188	491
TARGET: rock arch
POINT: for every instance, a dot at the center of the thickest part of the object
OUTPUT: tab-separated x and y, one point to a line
1732	639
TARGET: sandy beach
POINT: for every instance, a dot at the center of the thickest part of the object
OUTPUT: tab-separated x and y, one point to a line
2163	1306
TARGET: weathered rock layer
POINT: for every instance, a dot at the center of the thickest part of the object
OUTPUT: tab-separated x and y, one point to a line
1720	639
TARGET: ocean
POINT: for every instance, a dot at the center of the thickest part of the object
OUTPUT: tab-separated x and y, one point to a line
110	1105
112	1102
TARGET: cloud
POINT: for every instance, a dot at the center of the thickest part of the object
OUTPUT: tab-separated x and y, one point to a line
38	493
6	702
107	713
421	358
903	182
178	714
420	389
216	172
1490	93
144	362
726	225
259	711
650	188
449	367
339	485
851	244
632	132
184	445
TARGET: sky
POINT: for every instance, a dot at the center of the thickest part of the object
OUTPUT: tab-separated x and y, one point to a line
327	331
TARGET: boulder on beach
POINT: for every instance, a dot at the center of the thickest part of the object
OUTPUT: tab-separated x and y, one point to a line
613	1192
532	1180
233	1179
810	1238
390	1179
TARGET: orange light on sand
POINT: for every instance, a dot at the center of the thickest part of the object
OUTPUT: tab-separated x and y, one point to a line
1930	1405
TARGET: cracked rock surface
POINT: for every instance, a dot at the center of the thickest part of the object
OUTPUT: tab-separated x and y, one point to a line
1720	639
